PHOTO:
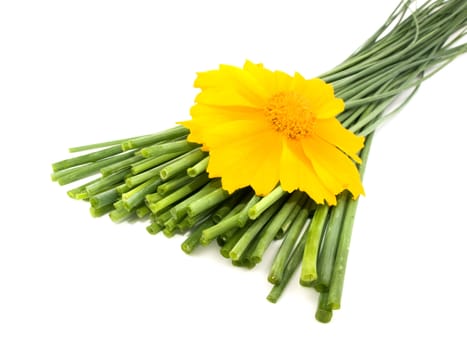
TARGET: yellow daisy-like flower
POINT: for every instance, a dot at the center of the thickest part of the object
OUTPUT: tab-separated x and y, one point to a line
263	128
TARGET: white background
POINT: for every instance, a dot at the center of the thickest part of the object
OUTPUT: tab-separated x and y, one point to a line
75	72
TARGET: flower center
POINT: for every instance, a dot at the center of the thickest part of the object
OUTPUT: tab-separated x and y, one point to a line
290	115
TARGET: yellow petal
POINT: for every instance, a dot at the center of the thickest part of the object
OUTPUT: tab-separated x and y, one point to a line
215	114
317	93
297	172
330	109
244	162
331	131
337	171
281	82
263	76
219	84
223	97
225	133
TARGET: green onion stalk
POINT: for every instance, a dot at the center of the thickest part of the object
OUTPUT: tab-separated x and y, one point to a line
162	178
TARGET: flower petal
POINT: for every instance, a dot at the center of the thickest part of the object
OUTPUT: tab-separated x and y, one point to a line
230	86
214	114
225	133
330	109
331	131
317	92
215	117
337	171
297	172
243	162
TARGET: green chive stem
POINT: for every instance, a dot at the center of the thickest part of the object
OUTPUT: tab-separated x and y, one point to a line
273	227
98	212
156	150
86	158
228	223
105	183
324	312
192	240
250	234
290	268
276	273
172	185
180	209
66	176
179	194
292	216
142	141
199	167
207	202
227	206
153	228
149	163
104	198
310	257
330	241
265	202
116	167
136	196
182	164
338	273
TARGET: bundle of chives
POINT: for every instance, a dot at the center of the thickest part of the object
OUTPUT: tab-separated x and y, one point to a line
163	177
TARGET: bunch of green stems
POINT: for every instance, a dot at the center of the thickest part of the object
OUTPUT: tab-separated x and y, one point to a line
162	177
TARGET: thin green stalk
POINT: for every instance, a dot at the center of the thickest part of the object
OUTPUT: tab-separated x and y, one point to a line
230	243
179	194
119	215
242	217
86	158
292	216
142	141
80	191
117	167
330	241
162	217
172	185
198	168
153	198
142	211
181	208
276	272
153	228
207	202
98	145
98	212
182	164
338	273
66	176
194	237
274	226
105	183
229	204
156	150
290	268
250	234
265	202
245	258
324	312
310	257
104	198
135	180
229	222
149	163
136	196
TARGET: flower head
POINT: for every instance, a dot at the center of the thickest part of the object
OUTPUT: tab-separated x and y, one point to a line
263	128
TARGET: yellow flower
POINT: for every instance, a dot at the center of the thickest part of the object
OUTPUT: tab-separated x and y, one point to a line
263	128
